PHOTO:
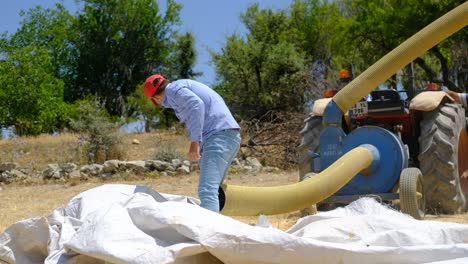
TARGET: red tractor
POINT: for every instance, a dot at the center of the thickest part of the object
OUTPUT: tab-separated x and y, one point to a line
432	127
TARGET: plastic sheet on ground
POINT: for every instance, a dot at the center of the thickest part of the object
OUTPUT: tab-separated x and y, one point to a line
134	224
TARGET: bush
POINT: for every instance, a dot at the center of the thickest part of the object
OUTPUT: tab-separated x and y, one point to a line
170	147
99	138
272	139
168	152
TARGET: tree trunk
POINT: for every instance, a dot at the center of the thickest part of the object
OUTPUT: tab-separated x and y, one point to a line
445	69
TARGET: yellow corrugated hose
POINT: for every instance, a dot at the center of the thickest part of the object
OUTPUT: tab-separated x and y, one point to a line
242	200
401	56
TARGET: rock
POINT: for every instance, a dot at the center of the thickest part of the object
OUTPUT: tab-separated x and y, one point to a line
5	178
176	163
10	171
157	164
111	166
253	162
74	174
135	141
94	170
12	176
136	166
68	167
18	175
183	170
52	172
59	171
7	166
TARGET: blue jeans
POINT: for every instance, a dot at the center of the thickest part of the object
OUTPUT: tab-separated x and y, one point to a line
217	153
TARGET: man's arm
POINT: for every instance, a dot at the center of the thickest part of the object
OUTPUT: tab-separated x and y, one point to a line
191	111
194	151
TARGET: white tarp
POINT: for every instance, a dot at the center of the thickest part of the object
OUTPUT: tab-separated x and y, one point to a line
134	224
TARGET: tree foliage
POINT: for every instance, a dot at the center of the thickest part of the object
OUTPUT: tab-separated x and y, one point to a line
120	43
182	58
49	29
31	96
289	56
33	59
108	48
376	27
261	72
105	50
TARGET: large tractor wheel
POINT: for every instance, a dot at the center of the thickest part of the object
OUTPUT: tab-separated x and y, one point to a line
443	158
310	143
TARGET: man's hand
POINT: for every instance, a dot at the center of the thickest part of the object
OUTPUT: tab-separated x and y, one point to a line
454	96
194	151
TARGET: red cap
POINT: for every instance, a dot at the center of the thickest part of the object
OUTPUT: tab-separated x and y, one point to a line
152	84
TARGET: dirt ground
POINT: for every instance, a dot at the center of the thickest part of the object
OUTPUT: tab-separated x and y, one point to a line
22	202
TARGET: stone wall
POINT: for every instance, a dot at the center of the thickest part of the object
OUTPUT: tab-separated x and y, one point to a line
12	172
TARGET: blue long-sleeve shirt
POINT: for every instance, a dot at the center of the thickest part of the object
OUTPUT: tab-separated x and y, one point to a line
203	111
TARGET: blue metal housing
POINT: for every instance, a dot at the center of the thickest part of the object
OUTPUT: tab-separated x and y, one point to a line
390	160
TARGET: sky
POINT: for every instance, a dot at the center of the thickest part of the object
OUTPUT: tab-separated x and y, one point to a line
210	21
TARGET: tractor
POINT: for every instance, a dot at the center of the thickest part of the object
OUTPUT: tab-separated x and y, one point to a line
410	150
432	130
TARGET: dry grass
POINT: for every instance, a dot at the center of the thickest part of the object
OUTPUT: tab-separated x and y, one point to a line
37	152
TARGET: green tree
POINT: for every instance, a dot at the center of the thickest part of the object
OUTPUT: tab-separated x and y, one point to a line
316	24
49	29
31	96
287	57
120	42
35	58
264	71
183	57
375	27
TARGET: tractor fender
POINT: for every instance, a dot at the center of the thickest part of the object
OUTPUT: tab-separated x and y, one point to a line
319	106
429	100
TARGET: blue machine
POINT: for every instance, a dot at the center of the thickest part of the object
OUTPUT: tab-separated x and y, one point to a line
391	157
